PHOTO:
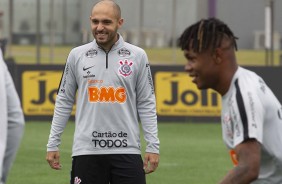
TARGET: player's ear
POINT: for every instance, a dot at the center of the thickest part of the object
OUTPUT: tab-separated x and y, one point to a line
120	22
217	55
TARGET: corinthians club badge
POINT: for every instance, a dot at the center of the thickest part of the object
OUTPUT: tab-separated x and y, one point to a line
125	68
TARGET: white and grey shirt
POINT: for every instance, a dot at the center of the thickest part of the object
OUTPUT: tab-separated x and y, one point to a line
251	110
111	90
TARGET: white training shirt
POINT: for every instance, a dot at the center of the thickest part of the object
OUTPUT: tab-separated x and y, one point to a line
251	110
112	90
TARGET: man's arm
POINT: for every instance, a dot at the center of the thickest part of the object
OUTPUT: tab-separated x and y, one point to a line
248	156
146	106
63	107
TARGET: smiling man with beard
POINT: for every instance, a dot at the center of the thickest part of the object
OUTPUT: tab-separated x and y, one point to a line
113	85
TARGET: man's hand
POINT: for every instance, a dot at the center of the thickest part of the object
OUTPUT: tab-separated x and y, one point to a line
151	162
53	158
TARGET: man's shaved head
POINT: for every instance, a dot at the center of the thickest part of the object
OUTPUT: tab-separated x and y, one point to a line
109	4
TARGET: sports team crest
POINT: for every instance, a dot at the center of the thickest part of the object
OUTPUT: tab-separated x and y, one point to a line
125	68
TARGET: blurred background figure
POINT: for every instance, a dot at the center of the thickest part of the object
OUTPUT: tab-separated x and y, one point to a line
11	121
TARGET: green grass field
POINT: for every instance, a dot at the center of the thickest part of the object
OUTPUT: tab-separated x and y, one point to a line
190	153
26	54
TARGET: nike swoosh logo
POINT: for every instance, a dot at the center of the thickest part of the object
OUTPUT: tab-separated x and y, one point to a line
86	68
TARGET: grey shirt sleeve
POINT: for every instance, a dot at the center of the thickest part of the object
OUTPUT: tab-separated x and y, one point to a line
146	105
64	104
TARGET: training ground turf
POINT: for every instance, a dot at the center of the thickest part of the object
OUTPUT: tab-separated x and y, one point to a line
191	153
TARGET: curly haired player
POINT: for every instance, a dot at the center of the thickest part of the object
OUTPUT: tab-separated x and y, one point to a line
251	114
